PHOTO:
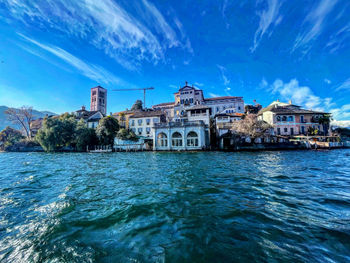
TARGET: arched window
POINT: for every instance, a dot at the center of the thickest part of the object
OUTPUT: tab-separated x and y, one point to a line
162	140
192	139
278	118
284	118
176	139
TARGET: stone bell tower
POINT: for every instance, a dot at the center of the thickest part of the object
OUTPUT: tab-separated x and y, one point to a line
98	100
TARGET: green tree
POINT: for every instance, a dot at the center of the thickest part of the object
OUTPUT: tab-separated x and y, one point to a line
57	132
325	120
84	136
125	134
107	130
137	105
9	137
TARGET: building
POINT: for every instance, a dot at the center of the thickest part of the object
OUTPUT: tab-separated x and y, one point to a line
91	118
226	122
189	96
143	122
289	120
180	135
99	100
123	118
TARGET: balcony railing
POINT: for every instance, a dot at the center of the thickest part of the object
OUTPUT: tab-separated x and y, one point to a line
182	123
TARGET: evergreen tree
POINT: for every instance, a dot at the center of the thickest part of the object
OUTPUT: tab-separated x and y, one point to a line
107	130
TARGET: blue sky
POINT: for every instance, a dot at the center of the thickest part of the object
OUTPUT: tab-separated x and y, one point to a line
53	51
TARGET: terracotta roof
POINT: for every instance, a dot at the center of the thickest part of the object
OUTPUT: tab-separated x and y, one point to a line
288	109
230	114
163	104
142	114
223	98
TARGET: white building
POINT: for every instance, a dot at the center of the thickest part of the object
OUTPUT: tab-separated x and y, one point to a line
181	135
91	118
189	96
142	123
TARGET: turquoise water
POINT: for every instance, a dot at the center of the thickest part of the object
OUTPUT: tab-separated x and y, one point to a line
291	206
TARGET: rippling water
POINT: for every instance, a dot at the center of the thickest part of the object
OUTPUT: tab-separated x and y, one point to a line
175	207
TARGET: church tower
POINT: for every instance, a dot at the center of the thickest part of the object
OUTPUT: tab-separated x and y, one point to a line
98	100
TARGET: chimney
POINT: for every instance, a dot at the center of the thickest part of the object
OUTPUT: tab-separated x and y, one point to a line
278	100
290	102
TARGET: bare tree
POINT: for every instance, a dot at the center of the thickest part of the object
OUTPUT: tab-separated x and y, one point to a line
252	127
22	117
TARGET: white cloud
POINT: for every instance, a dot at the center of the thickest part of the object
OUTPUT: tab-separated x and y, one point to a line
263	83
304	96
105	24
213	95
338	39
223	75
327	81
314	23
269	18
198	84
341	123
344	86
173	86
91	71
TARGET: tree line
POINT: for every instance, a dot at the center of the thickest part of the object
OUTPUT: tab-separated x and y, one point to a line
60	132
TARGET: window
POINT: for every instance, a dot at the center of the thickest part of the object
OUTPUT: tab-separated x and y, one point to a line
191	100
291	131
139	121
176	139
192	139
278	131
155	120
284	118
133	123
302	129
217	109
278	118
290	118
148	121
239	107
148	130
139	130
162	140
301	118
285	129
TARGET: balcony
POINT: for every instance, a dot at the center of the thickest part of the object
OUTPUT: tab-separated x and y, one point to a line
182	123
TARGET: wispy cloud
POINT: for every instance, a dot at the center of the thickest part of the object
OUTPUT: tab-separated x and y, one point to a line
90	71
223	75
304	96
314	24
269	18
105	24
344	86
198	84
327	81
173	86
213	95
339	39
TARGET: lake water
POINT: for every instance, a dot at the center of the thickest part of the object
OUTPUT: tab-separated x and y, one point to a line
291	206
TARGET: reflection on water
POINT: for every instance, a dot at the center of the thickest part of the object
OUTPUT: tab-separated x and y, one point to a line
175	207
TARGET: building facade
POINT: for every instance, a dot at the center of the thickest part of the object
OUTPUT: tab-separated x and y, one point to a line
190	96
180	136
99	100
142	123
91	118
290	120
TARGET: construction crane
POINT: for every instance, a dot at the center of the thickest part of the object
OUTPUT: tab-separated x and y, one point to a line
144	93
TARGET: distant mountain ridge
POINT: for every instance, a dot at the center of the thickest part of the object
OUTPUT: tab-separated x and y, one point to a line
4	122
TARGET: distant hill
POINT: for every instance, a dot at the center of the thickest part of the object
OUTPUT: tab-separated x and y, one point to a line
4	122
